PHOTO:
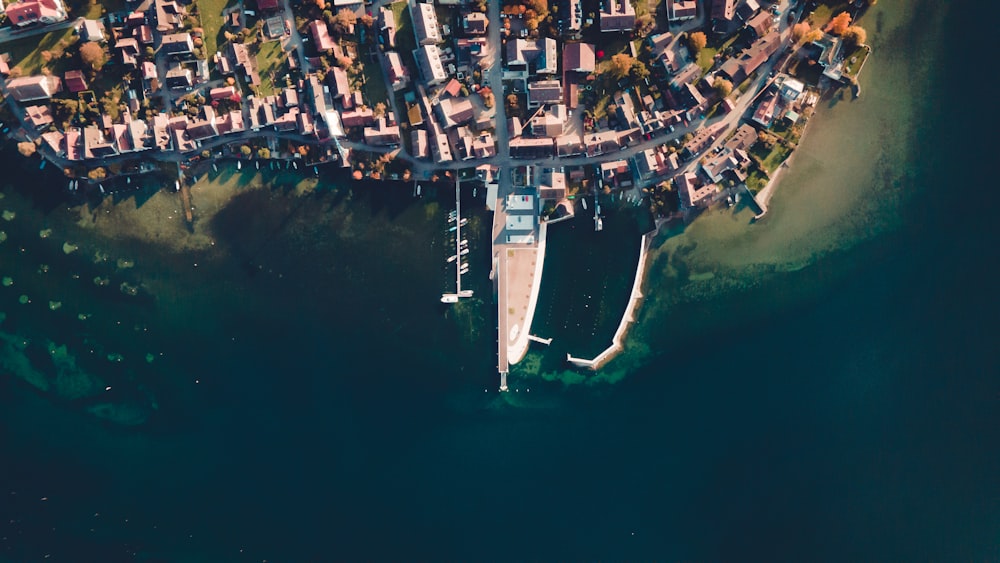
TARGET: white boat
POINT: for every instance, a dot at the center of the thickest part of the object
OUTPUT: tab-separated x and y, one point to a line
316	170
585	203
295	165
101	187
239	165
452	258
451	219
598	223
463	242
449	298
418	189
258	164
464	251
474	190
463	222
465	293
215	167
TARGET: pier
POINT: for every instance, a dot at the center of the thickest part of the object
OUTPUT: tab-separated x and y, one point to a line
540	340
459	264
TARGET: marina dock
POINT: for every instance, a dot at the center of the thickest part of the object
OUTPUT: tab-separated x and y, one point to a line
457	257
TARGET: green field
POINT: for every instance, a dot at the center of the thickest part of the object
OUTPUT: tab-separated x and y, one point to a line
271	60
374	84
213	23
27	53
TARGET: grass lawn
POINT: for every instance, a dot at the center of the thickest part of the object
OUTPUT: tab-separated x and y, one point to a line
27	52
706	58
374	85
271	60
774	159
756	180
213	22
859	55
824	13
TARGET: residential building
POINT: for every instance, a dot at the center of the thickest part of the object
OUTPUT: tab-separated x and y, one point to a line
425	23
38	116
169	15
388	27
321	35
739	68
761	24
524	57
340	86
692	192
617	15
31	88
128	48
474	23
680	10
177	44
454	111
791	89
544	92
399	76
91	30
431	68
74	81
179	77
21	14
579	57
418	143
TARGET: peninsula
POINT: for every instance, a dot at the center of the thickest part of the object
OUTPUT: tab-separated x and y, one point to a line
678	105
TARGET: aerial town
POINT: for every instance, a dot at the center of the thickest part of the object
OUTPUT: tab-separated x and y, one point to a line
674	104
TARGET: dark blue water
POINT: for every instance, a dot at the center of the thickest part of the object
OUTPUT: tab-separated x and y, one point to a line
338	412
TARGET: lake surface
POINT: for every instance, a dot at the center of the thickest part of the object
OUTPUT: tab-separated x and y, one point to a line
285	385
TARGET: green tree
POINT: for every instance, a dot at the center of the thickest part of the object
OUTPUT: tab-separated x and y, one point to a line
855	35
246	151
722	86
644	24
621	65
263	152
92	54
697	41
639	70
98	173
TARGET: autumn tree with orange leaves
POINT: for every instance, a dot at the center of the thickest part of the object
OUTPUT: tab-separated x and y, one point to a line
839	24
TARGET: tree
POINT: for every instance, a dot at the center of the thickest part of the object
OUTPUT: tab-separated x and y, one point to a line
722	86
800	30
92	54
27	148
379	110
321	4
344	62
345	20
366	20
621	65
644	24
246	151
264	152
697	41
855	35
98	173
149	52
814	35
639	70
512	102
838	25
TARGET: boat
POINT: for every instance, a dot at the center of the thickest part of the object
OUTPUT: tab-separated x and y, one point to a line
316	170
464	242
474	190
128	180
452	229
418	189
584	203
451	219
295	165
239	165
215	167
598	223
258	164
465	293
463	222
101	187
42	165
449	298
464	251
452	258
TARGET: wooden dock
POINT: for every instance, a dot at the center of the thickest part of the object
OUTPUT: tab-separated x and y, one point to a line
185	192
